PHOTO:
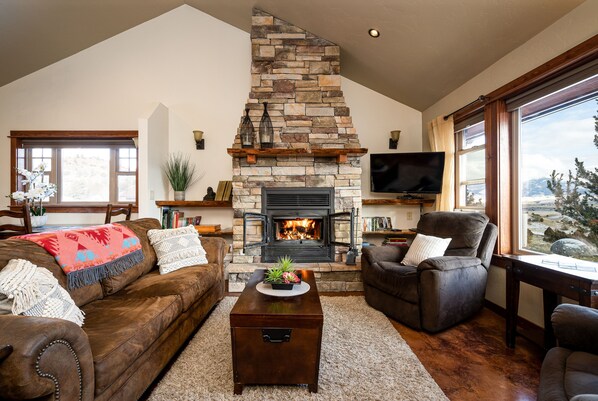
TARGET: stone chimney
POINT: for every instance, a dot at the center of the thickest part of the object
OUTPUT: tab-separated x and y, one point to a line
298	74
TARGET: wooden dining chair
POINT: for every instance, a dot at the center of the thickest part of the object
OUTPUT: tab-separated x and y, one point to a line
112	211
11	229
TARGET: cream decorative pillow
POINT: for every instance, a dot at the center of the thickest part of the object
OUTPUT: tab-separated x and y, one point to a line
26	289
177	248
424	247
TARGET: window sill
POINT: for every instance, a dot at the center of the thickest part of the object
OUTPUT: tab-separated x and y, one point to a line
77	208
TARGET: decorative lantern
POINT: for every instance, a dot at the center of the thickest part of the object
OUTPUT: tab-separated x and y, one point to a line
266	130
246	131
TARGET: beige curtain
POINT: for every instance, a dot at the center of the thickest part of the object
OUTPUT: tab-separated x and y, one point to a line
442	139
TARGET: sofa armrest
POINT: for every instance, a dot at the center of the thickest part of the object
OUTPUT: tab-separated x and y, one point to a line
576	327
49	356
215	248
446	263
375	254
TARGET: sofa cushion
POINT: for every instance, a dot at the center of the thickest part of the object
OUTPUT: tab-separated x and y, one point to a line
581	374
21	249
394	279
465	229
190	283
122	328
140	227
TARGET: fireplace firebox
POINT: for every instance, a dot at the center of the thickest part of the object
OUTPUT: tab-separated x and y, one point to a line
300	223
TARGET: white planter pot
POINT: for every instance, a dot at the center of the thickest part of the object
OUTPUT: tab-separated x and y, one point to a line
38	221
179	195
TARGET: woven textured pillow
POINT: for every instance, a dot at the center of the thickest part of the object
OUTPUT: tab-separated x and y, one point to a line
177	248
26	289
424	247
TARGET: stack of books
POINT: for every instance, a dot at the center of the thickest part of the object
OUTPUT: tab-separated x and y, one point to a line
224	191
376	223
173	218
395	241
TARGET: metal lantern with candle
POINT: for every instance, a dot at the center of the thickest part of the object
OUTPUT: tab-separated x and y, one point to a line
246	131
266	130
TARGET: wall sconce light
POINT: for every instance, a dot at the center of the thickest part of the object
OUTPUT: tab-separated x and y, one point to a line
199	141
393	141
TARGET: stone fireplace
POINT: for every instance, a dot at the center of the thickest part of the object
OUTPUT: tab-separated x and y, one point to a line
316	150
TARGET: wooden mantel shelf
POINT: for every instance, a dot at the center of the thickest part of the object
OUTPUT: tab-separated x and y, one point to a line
191	203
252	154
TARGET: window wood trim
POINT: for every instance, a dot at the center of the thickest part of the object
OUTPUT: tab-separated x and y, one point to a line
583	53
16	137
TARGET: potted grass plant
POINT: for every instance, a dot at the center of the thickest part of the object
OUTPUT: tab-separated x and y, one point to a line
282	276
180	173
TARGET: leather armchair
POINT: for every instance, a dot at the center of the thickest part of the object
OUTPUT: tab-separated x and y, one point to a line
441	291
570	371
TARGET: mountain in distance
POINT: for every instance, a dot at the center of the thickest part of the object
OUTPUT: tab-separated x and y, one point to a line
536	187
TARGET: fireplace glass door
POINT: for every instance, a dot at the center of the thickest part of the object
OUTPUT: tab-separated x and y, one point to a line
293	229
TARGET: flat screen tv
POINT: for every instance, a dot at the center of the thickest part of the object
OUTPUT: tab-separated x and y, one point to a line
407	173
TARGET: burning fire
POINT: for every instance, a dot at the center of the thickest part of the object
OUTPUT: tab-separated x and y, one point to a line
299	229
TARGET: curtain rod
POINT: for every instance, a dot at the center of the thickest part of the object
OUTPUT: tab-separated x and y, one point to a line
481	98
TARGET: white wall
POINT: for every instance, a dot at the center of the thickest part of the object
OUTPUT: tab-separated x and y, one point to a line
374	116
580	24
197	66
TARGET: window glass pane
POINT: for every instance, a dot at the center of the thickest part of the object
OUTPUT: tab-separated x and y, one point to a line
472	165
475	195
126	188
126	160
85	175
558	199
473	136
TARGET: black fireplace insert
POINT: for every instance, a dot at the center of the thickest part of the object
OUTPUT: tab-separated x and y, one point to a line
300	223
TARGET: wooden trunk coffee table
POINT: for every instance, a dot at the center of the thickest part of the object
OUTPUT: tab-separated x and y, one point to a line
276	340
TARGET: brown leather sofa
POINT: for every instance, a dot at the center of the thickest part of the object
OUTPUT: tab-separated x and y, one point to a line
134	324
440	291
570	371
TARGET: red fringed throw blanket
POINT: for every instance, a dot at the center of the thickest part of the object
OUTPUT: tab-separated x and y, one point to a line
87	255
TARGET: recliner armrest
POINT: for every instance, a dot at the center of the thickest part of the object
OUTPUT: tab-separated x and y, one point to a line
576	327
375	254
48	355
449	263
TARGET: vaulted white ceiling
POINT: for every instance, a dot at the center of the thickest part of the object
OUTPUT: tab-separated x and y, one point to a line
427	48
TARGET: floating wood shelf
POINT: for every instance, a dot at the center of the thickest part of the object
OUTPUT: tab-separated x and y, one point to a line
252	154
224	231
169	203
420	202
390	232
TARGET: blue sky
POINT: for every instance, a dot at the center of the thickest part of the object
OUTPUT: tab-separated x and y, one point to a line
553	142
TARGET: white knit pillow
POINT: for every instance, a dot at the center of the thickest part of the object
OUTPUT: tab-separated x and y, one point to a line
26	289
177	248
424	247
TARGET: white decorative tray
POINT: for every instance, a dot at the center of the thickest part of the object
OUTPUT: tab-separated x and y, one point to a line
298	289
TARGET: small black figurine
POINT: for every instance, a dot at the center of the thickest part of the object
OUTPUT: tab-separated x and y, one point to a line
211	195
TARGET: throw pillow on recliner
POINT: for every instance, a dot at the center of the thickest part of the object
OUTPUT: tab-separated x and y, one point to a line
424	247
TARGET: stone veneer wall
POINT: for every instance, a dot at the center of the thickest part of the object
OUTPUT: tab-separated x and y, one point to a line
297	73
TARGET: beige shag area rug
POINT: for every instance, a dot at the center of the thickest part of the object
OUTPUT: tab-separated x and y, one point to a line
363	358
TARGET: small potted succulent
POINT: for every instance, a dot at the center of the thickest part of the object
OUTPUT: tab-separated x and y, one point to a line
282	276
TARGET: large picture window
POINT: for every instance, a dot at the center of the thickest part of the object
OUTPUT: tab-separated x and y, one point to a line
556	141
89	173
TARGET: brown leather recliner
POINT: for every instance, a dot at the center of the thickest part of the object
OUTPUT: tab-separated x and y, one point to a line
441	291
570	371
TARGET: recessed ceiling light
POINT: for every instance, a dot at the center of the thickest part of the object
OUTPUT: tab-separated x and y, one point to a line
374	33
